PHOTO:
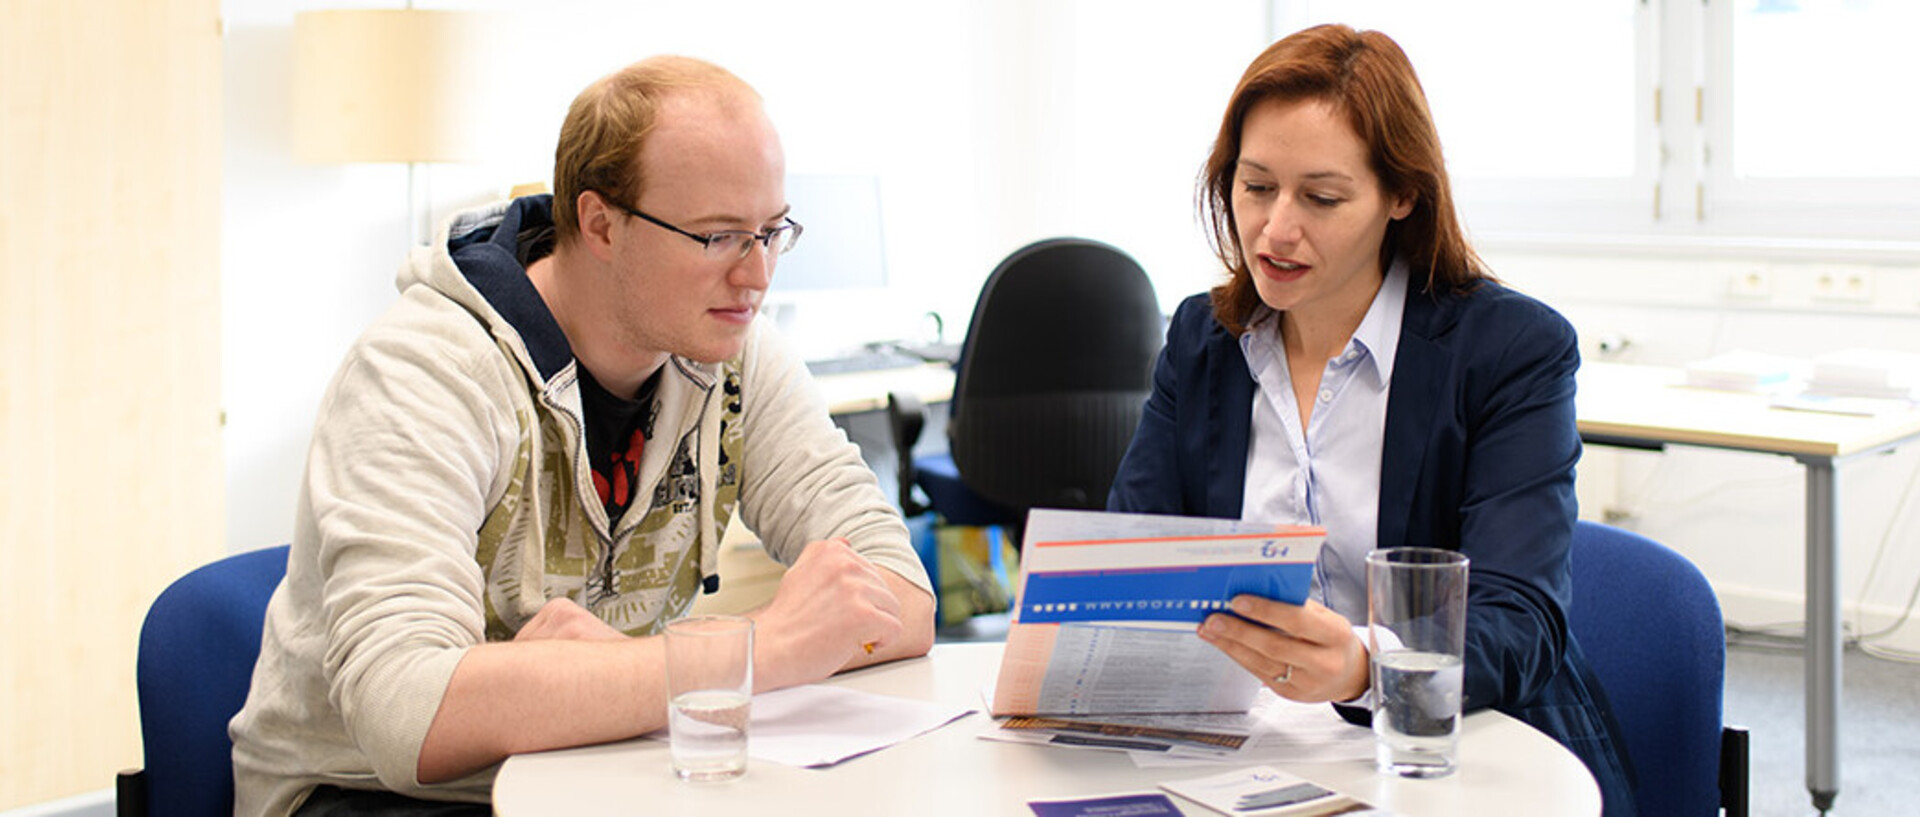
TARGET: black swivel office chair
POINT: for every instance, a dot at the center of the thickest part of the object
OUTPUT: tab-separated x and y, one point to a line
1056	366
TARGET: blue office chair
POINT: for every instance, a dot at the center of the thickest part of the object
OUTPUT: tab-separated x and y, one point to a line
1052	376
1650	627
197	650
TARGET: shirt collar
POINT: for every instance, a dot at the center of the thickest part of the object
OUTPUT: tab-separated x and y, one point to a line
1379	331
1260	343
1378	334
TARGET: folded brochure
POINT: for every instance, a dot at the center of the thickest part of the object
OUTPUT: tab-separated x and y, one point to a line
1139	804
1268	792
1108	606
1259	791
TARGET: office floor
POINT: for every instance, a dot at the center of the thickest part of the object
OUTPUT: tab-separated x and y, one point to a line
1879	730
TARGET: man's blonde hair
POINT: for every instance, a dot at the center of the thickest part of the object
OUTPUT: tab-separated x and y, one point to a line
608	122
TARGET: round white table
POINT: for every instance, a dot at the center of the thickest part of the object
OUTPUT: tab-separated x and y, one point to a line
1506	767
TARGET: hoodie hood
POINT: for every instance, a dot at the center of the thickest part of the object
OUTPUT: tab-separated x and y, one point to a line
474	260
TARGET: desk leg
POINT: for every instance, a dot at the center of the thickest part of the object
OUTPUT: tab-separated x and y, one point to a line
1823	633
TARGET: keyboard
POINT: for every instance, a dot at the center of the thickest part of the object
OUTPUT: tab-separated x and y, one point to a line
864	362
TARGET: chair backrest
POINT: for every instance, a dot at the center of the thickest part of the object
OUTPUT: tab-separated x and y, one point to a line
1055	368
197	650
1650	627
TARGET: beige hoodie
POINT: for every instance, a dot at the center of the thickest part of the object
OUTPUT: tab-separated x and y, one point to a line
447	497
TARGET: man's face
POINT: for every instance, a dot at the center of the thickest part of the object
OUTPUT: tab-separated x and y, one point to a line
710	164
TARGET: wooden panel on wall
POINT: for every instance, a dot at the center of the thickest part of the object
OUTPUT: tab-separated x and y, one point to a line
110	466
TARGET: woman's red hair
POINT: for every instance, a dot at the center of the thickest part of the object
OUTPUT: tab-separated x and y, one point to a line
1364	75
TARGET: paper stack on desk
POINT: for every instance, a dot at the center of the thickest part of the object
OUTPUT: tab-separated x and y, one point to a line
1742	370
1877	373
1109	603
1268	792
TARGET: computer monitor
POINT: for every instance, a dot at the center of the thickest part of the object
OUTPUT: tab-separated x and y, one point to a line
828	292
843	246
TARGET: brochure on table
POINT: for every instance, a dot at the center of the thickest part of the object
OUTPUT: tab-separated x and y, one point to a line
1108	605
1268	792
1133	804
1258	791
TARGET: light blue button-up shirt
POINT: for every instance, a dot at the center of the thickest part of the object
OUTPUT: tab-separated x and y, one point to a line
1328	473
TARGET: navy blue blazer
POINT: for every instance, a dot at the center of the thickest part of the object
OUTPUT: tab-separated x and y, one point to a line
1479	457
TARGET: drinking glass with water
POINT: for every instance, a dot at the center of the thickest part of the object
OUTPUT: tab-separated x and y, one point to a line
1417	630
709	689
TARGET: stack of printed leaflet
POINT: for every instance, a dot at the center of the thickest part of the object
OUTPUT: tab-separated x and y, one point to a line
1875	373
1258	791
1859	382
1743	370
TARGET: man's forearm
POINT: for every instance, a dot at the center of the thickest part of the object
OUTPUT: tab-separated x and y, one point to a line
511	697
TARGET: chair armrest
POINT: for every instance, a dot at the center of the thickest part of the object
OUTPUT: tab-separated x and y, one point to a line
906	418
130	793
1733	770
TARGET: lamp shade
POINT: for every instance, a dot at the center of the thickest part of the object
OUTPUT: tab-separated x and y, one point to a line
377	85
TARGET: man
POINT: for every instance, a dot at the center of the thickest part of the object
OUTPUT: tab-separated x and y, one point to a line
523	470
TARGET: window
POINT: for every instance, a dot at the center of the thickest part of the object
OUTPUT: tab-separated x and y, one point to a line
1719	118
1498	116
1821	88
1815	137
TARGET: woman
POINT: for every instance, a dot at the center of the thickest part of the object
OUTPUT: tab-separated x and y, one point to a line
1362	370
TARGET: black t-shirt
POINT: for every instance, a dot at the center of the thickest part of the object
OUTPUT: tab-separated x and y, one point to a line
617	431
617	428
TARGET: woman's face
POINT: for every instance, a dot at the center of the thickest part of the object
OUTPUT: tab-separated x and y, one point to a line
1309	211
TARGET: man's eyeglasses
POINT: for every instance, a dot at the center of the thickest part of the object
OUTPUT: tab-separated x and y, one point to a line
727	245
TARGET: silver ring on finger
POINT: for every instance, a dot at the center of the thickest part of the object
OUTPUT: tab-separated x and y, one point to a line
1285	676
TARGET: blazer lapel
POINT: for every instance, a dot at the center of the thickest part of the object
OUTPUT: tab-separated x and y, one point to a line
1230	412
1418	368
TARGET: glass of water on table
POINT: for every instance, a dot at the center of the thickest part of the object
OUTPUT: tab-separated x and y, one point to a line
1417	632
709	689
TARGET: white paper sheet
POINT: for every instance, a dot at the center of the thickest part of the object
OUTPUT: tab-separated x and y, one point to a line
818	726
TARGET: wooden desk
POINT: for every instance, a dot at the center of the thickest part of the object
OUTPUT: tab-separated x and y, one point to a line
1646	407
1506	767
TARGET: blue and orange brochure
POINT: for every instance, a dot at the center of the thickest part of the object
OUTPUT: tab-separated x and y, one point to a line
1108	605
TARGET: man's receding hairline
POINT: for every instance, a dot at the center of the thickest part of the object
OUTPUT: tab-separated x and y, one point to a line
673	75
